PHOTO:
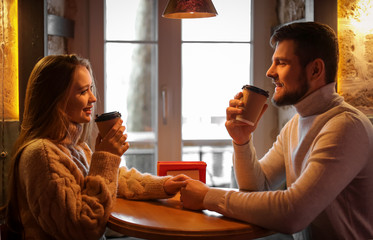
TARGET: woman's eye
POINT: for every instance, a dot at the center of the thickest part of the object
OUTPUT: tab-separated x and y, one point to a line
86	90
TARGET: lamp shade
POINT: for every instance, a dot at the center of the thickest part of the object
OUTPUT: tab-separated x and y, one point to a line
189	9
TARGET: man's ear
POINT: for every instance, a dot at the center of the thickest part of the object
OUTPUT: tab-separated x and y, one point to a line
316	70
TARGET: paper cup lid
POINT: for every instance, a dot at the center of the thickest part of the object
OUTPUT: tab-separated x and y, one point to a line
256	89
107	116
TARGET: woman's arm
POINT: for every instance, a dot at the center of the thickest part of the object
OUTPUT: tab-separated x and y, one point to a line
135	185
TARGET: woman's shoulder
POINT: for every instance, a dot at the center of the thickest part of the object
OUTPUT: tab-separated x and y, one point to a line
44	155
40	144
34	156
38	147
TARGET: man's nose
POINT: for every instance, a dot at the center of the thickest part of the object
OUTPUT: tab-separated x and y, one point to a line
270	72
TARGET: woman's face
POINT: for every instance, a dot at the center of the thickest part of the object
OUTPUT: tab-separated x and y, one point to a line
80	99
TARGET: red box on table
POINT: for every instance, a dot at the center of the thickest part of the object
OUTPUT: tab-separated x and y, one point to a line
193	169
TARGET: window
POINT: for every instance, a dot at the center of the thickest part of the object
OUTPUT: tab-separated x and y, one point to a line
131	75
215	65
172	80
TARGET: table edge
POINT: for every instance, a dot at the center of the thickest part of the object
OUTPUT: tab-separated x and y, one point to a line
136	230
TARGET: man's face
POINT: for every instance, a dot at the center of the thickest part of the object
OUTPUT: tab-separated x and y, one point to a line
288	75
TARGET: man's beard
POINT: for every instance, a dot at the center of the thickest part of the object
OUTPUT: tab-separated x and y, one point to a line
291	98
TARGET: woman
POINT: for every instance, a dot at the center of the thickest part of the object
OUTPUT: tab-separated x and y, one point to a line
59	188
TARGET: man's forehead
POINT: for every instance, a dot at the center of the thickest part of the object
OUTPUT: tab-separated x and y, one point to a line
285	47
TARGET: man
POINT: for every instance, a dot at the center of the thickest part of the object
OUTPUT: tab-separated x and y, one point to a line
324	153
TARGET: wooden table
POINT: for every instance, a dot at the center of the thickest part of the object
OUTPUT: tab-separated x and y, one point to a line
166	219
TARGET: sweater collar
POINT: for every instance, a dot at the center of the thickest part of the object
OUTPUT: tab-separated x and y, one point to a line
319	101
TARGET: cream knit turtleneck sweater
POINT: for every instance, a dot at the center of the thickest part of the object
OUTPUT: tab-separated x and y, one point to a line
66	192
325	155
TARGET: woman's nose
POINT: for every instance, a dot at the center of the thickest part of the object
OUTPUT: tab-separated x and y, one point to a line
92	98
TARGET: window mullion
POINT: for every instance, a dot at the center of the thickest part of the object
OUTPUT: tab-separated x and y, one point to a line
169	87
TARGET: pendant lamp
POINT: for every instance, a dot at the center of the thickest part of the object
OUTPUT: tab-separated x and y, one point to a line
189	9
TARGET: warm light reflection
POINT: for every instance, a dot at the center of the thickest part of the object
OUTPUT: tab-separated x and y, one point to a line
355	34
363	18
9	60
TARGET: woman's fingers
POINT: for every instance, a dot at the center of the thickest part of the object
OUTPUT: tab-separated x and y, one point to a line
125	147
119	134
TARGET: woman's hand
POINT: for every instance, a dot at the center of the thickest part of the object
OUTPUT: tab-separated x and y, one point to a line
173	185
193	194
239	131
114	141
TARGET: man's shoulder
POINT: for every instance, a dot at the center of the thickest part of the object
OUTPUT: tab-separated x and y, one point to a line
350	114
350	121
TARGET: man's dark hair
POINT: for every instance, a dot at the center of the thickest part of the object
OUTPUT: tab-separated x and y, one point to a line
312	40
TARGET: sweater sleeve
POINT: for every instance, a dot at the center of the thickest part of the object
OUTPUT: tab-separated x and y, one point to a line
135	185
252	174
65	203
338	154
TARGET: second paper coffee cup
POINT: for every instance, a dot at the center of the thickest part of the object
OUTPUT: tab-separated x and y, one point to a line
106	121
254	99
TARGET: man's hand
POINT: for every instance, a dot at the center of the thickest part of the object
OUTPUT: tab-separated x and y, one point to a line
193	194
239	131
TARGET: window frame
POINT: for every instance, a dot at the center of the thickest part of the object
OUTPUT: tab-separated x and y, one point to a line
169	51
